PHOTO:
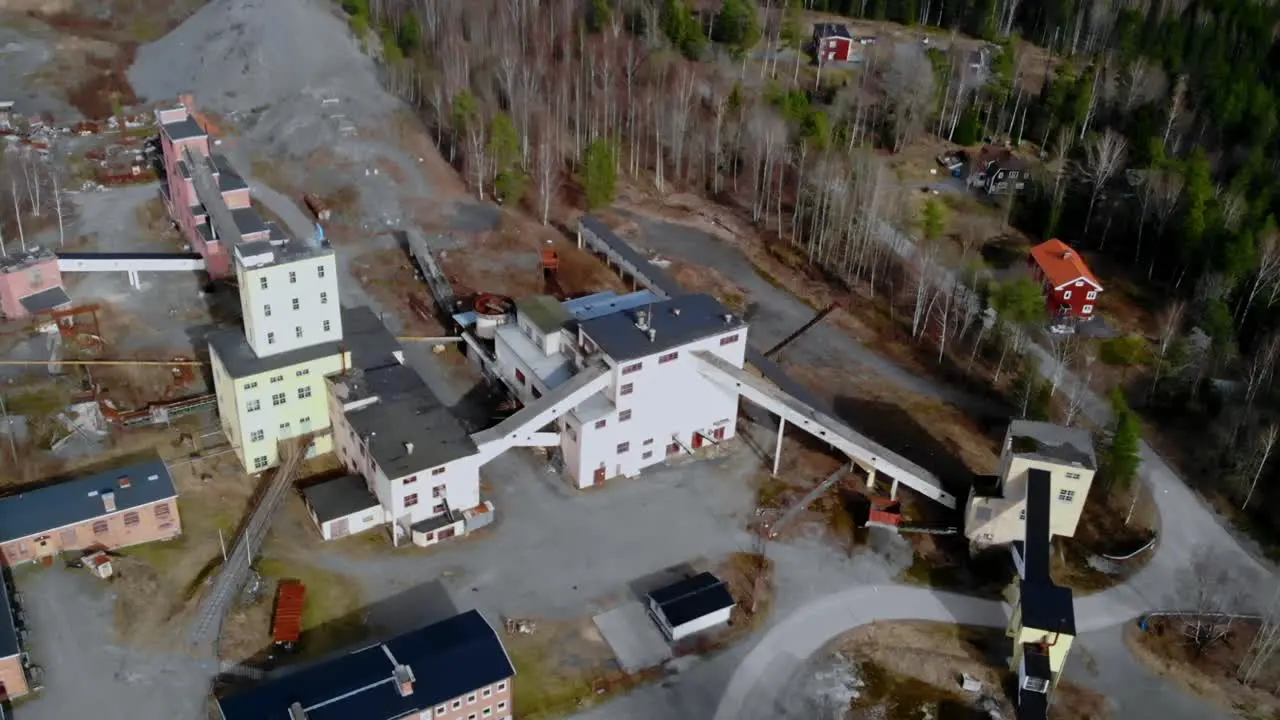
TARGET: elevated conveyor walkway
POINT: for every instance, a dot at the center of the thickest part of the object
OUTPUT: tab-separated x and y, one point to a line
798	412
523	429
130	262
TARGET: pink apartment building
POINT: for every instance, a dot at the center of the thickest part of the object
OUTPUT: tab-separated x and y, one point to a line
184	140
30	283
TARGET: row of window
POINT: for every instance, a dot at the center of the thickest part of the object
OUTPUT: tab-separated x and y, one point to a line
1063	496
1093	294
286	430
70	536
473	698
277	399
297	332
293	278
296	303
434	471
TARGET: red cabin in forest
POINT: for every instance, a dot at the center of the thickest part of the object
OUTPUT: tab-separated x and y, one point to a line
832	42
1071	290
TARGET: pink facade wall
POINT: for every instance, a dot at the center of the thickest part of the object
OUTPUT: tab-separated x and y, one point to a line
183	196
19	283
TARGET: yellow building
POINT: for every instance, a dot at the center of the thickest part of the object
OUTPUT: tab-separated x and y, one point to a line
996	510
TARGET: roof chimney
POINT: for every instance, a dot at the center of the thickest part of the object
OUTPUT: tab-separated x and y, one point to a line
652	334
1066	254
125	483
675	311
728	318
109	501
403	675
408	448
642	319
296	712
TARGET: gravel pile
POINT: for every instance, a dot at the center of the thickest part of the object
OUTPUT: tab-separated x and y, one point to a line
243	55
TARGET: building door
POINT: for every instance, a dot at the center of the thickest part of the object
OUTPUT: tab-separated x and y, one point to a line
718	434
338	528
673	448
598	479
697	441
447	533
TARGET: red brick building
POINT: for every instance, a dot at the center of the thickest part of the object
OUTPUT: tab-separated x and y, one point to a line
1071	290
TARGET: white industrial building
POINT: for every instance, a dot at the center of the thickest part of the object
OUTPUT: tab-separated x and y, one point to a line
649	399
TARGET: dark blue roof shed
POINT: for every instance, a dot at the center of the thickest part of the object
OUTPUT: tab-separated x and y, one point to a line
34	511
449	659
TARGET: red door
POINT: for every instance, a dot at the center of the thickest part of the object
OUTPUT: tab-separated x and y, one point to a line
718	434
599	477
697	441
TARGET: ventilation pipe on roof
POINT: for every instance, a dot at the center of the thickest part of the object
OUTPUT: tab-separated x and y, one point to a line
642	319
403	675
296	712
728	318
653	334
675	311
408	448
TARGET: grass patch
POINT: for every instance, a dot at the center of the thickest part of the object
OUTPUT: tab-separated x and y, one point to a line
333	618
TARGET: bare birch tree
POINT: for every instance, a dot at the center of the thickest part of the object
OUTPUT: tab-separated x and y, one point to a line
1171	319
1266	440
1104	157
1209	590
1262	650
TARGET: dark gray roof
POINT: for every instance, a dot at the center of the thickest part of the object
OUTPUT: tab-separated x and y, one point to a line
449	659
1055	443
408	430
339	497
660	279
39	510
184	129
364	335
1032	705
8	630
692	598
1045	606
431	524
675	322
248	221
54	297
228	178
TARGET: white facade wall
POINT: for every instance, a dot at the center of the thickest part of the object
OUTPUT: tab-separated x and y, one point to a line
357	522
290	305
260	410
669	403
706	622
548	342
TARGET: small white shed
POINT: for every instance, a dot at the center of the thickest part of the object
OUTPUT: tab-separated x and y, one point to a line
691	606
343	506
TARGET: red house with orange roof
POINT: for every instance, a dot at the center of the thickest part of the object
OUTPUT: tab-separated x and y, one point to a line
1071	290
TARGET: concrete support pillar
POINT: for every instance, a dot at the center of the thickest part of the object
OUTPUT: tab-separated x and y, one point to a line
580	243
893	490
134	282
871	479
777	450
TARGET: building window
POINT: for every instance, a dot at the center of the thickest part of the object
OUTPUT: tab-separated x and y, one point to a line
252	405
411	480
297	305
257	435
277	378
624	416
1091	295
472	716
457	704
668	357
1079	283
271	338
487	712
278	399
285	429
266	310
326	326
297	330
437	509
1066	495
438	471
1073	476
162	512
627	389
440	709
1066	295
1086	309
731	339
438	491
262	282
131	519
300	373
324	298
250	386
649	441
623	447
600	423
293	277
633	367
502	704
535	392
471	700
648	454
502	686
410	500
101	527
304	392
1022	515
519	376
486	692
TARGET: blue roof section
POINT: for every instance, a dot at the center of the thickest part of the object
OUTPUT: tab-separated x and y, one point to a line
449	659
608	303
40	510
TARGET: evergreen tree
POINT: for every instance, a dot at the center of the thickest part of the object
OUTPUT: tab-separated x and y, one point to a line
1122	455
599	174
